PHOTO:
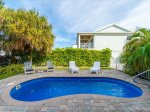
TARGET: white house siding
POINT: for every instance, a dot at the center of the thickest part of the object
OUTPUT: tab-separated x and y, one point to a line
113	41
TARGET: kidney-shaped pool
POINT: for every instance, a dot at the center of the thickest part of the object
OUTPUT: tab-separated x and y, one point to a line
50	87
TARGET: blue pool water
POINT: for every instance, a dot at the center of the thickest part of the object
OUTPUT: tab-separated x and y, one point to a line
50	87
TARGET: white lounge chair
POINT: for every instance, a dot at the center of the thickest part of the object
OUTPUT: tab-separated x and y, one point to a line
73	68
50	66
96	67
28	67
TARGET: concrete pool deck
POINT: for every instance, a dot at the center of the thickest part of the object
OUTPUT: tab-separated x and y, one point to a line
74	103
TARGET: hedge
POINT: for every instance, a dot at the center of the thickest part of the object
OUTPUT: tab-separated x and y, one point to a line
82	57
10	70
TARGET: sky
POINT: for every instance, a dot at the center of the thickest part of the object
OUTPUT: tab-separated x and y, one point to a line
71	16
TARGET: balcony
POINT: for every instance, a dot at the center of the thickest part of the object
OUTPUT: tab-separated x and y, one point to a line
86	45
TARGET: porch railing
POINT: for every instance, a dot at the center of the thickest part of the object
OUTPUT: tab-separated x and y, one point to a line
86	45
145	75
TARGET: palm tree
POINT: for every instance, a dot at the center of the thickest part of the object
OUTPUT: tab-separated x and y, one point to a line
137	52
26	30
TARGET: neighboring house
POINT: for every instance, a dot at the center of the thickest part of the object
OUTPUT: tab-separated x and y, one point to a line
112	36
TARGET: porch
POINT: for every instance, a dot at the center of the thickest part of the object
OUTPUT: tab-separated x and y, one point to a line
85	41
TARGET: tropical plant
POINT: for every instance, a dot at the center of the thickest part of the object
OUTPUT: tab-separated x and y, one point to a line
26	30
136	55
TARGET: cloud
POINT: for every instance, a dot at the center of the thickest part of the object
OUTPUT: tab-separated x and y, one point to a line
62	41
87	15
139	16
71	16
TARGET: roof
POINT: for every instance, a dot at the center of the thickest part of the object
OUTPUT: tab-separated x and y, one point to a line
117	29
113	25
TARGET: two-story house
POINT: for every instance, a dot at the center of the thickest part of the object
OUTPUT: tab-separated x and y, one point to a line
112	36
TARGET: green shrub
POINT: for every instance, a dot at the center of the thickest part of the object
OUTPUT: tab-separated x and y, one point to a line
10	70
39	58
82	57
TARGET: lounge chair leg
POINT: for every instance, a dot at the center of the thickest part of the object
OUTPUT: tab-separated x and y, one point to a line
97	73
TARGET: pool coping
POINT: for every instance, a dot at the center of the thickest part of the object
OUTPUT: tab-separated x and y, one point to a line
10	101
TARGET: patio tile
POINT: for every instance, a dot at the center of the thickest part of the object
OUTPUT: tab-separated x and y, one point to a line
78	103
35	108
85	108
55	109
44	109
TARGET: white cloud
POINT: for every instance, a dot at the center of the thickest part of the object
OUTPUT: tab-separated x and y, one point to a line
139	16
88	15
63	39
71	16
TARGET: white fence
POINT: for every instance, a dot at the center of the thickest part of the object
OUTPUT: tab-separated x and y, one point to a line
115	63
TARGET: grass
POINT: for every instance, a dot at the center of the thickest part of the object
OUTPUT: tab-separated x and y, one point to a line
82	68
9	74
3	76
10	70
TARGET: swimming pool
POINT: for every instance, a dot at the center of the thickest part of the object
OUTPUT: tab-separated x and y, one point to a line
50	87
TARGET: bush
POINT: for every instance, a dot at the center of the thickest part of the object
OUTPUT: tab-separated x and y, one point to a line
39	58
82	57
10	70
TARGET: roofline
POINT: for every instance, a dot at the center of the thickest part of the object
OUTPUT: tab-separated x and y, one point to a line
100	29
104	33
86	32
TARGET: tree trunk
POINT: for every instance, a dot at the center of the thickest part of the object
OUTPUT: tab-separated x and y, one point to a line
12	57
31	54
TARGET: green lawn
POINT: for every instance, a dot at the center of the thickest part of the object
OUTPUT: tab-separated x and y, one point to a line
82	68
11	70
3	76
